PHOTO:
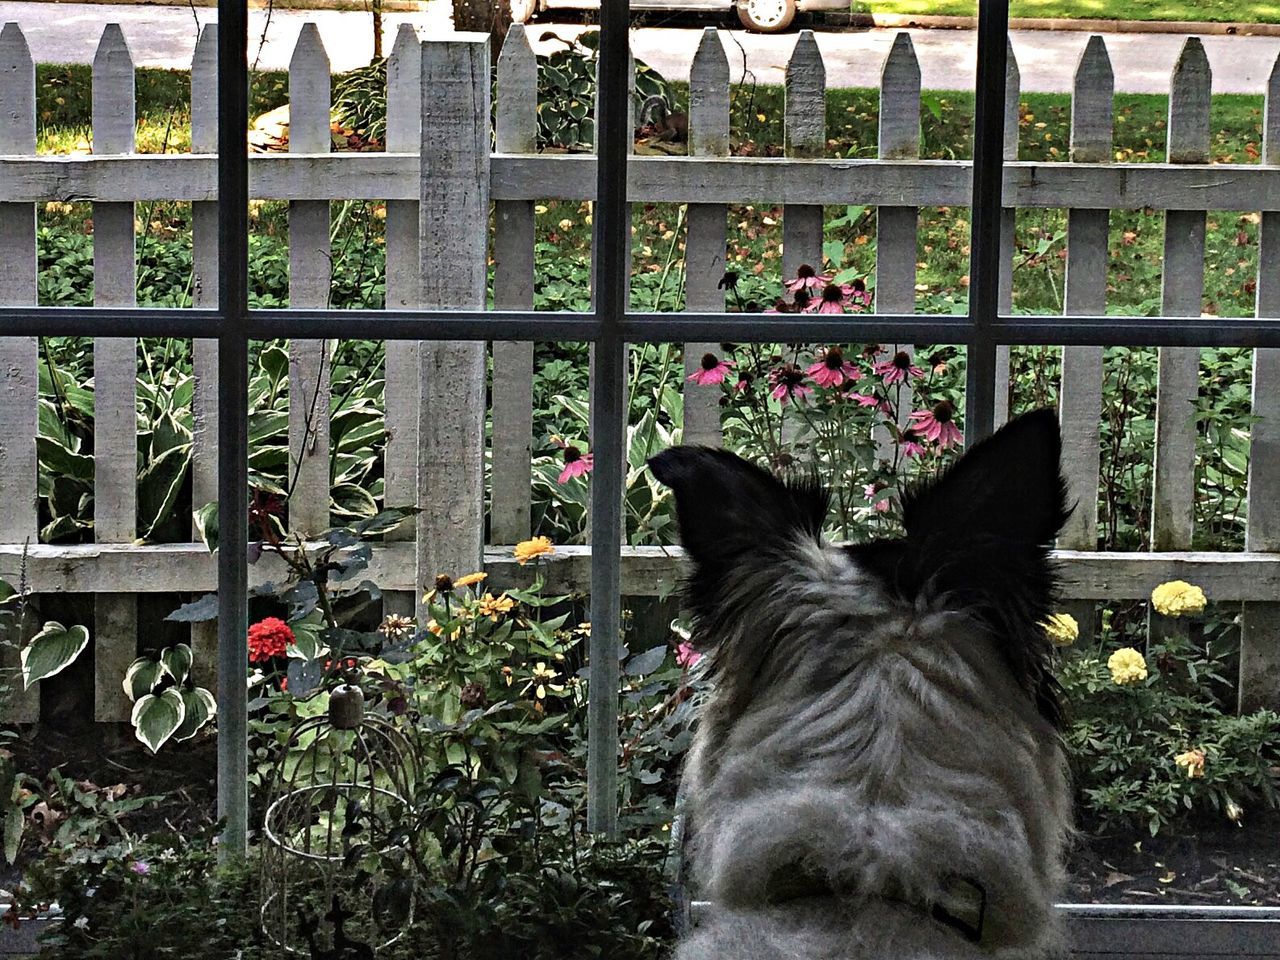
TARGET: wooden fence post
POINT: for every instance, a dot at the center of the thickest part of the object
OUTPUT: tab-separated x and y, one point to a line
204	254
1080	393
1260	623
454	214
400	396
896	227
115	371
704	255
310	271
510	462
806	138
1008	233
19	356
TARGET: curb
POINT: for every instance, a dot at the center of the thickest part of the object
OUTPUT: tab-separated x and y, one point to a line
869	21
352	6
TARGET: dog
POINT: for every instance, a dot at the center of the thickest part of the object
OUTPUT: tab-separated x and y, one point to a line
879	771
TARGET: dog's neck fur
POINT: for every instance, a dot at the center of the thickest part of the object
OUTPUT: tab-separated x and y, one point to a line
882	744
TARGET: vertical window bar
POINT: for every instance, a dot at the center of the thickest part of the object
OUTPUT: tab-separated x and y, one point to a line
984	240
612	242
233	445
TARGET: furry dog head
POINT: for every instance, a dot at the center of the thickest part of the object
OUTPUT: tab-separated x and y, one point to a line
878	772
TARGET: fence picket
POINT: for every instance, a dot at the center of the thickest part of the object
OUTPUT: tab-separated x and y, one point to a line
1183	288
115	371
454	217
310	269
204	253
896	227
400	395
512	445
1260	622
1008	232
1080	392
707	236
19	520
806	137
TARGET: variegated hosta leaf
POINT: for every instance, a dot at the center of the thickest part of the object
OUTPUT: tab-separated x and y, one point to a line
177	660
141	677
51	651
201	708
157	717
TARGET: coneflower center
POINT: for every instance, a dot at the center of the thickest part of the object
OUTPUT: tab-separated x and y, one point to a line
943	412
834	360
832	293
572	454
710	361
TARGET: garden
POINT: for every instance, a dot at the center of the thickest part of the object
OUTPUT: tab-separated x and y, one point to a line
462	835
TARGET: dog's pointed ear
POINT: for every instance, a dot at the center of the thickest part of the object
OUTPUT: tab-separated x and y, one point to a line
1009	488
728	507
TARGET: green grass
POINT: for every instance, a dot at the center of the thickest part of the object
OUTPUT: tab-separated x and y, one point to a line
1243	11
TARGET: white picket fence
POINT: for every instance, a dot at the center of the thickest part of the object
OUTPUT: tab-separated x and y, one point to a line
437	434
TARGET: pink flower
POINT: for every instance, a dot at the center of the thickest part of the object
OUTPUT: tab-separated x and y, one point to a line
898	368
938	424
712	371
832	300
871	490
686	656
140	867
744	382
867	400
910	444
858	296
780	306
788	383
807	279
576	463
832	369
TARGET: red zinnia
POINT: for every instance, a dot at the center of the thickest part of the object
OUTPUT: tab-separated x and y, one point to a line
269	638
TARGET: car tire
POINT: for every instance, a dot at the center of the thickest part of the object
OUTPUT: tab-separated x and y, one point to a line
766	16
523	11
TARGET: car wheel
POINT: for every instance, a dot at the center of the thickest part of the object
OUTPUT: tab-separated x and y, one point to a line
767	16
522	11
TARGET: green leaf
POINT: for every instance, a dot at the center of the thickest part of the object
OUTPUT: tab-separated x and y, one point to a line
14	822
200	709
306	635
177	660
141	677
157	718
158	486
51	651
197	611
206	521
643	664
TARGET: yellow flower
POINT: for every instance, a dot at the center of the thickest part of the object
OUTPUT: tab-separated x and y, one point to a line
396	626
1193	762
542	675
438	630
1177	598
528	550
493	607
469	579
1127	666
1062	629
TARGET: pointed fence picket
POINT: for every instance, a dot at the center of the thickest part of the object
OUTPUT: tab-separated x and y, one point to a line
437	235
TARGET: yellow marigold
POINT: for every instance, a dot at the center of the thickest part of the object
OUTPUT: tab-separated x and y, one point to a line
1177	598
1127	666
528	550
469	579
493	607
1062	629
1193	762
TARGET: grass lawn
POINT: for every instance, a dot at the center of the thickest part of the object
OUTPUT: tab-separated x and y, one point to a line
1244	11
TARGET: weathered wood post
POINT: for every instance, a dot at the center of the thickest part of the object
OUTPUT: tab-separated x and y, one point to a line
115	371
18	355
1080	393
704	255
454	218
400	485
310	271
510	462
1260	624
805	128
204	253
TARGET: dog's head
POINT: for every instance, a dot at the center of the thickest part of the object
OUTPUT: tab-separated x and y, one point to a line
977	543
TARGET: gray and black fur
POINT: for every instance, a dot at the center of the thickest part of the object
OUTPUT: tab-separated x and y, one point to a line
881	751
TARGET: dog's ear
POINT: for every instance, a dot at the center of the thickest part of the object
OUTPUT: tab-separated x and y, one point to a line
729	508
1008	489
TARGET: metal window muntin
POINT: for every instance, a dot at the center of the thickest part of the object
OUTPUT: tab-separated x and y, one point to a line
608	325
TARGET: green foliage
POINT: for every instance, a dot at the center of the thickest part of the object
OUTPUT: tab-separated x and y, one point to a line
167	704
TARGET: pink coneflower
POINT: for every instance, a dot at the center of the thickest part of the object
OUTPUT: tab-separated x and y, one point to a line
832	300
788	383
576	463
744	382
938	424
800	302
832	369
898	368
713	370
868	400
686	656
781	306
807	279
859	296
871	491
910	444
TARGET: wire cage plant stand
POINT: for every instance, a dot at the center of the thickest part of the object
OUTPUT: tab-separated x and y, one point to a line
336	872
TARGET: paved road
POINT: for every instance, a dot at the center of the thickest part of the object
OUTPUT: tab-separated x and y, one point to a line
165	36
